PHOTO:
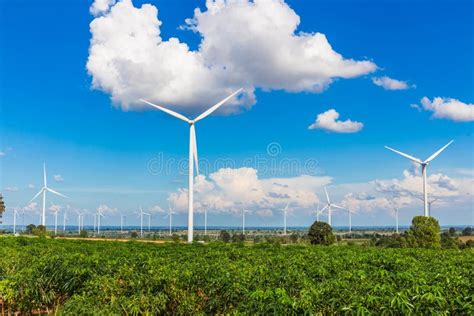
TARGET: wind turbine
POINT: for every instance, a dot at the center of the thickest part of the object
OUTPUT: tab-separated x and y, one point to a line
285	212
43	191
329	207
193	154
15	214
243	220
98	215
122	217
80	219
55	212
424	164
396	219
318	212
350	220
141	220
64	220
170	216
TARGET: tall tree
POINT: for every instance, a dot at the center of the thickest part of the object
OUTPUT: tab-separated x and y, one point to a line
2	207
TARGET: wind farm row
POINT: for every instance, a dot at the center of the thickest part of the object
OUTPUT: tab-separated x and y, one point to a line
193	170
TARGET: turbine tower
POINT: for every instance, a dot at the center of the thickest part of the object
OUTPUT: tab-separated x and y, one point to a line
243	220
122	217
15	214
285	212
141	220
55	212
424	164
98	216
193	154
170	216
396	219
329	207
43	191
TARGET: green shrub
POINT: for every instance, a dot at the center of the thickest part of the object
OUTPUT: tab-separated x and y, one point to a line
424	232
224	236
320	233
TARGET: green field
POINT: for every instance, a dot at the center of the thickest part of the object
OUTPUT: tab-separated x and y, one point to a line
99	277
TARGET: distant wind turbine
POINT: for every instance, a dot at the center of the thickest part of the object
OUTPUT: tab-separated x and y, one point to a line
43	191
15	214
329	207
98	215
141	220
55	212
318	212
243	220
396	219
122	218
64	220
193	153
170	217
285	213
424	164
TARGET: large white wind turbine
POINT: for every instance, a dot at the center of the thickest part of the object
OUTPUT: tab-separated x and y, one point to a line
43	191
193	154
329	207
424	164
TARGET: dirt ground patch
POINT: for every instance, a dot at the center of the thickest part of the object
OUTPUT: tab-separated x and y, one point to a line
466	238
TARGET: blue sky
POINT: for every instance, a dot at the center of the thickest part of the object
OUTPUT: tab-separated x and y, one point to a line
50	112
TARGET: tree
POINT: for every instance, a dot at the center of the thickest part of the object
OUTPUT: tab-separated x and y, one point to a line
2	207
30	228
467	231
320	233
424	232
238	237
452	231
224	236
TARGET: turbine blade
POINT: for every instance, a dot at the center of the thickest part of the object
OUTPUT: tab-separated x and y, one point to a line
172	113
44	174
405	155
57	193
37	194
327	195
337	206
324	208
216	106
433	156
194	144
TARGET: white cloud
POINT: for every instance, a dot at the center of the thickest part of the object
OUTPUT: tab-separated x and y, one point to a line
250	44
11	189
99	7
105	209
55	208
328	121
31	207
31	186
448	108
2	153
390	84
156	209
231	190
58	178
